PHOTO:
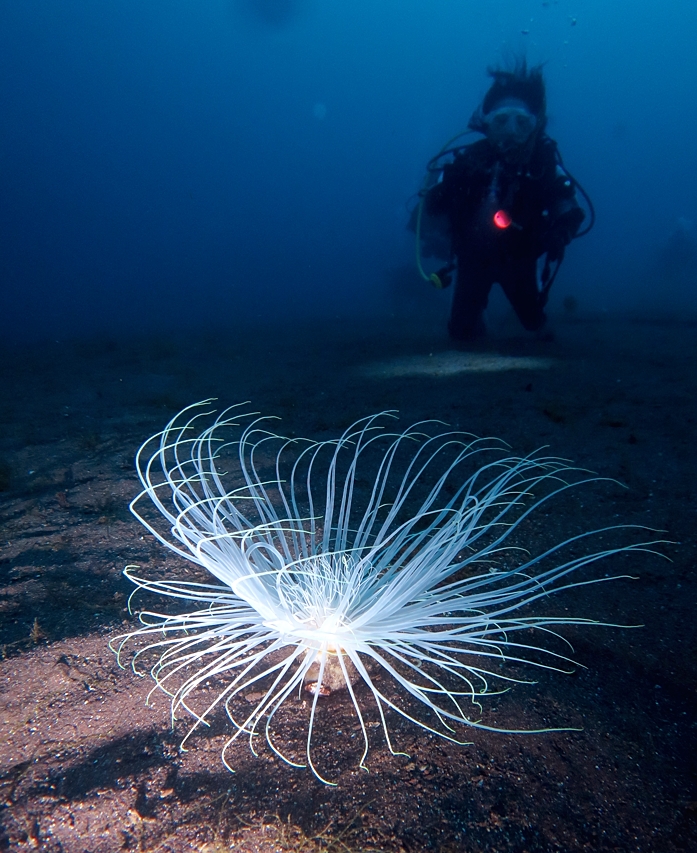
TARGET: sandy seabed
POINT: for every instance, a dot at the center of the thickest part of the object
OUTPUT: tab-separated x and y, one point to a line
86	766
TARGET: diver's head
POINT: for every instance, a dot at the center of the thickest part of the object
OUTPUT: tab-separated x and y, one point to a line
513	111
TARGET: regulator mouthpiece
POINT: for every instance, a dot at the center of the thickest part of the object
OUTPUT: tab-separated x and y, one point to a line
441	279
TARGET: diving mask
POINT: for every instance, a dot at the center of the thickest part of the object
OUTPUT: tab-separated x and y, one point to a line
509	126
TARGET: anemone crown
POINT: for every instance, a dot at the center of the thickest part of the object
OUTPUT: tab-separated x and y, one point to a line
382	563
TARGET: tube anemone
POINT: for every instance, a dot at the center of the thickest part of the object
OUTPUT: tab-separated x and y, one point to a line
384	564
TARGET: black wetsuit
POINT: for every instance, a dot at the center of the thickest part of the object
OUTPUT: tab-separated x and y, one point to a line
540	201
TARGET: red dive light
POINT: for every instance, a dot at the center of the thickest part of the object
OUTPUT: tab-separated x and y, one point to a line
502	219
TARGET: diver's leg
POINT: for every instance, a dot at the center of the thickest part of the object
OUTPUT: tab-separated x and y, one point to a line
469	301
520	285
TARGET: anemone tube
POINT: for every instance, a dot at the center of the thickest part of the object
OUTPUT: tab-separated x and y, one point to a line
399	590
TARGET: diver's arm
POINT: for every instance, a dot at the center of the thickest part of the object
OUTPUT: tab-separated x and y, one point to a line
442	196
438	198
565	215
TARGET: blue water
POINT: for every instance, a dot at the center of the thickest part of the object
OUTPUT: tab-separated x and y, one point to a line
173	163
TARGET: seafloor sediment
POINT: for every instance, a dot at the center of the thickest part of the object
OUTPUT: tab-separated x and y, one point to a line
86	766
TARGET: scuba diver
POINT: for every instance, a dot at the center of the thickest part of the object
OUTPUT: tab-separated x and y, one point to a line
503	202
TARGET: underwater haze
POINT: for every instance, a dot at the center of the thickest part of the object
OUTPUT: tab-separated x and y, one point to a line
174	164
209	200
